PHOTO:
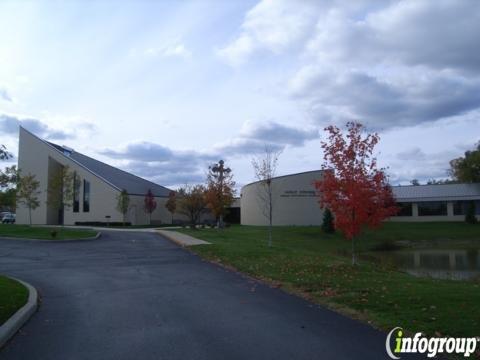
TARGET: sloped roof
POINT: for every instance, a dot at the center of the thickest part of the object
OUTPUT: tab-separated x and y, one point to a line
133	184
437	192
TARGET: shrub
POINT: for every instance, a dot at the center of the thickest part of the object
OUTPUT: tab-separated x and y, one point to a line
53	233
470	217
327	224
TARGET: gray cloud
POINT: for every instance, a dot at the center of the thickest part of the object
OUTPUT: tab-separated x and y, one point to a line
175	167
384	103
255	136
4	94
9	125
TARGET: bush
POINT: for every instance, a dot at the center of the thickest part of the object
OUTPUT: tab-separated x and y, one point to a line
53	233
327	224
470	217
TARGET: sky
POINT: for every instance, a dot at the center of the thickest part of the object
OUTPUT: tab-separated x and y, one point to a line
164	88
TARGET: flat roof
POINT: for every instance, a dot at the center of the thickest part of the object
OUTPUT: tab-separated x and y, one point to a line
438	192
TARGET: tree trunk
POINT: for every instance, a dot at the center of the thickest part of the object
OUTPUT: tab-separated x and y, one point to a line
270	216
353	251
30	215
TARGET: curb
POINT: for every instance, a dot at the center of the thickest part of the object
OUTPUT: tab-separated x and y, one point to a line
17	320
99	233
172	238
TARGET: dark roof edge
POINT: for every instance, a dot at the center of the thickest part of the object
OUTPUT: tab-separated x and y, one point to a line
282	176
74	161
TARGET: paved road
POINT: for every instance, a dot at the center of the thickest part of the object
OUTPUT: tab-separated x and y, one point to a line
138	296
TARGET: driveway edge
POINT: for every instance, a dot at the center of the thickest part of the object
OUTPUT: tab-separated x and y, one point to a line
181	239
17	320
99	233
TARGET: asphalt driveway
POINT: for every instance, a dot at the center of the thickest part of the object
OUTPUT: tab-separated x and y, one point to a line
135	295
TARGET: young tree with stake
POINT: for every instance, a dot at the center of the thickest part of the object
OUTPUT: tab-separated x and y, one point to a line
171	203
27	193
352	186
265	168
150	204
123	204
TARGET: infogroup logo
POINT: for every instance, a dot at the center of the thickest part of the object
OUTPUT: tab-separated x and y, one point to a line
431	346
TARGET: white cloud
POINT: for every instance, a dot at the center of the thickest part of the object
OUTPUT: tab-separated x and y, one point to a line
271	25
173	50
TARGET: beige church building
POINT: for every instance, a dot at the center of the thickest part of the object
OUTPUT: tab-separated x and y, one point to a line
294	201
98	186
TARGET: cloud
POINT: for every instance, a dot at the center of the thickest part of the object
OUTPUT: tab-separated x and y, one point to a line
9	125
253	138
383	102
436	34
171	167
5	95
271	25
173	50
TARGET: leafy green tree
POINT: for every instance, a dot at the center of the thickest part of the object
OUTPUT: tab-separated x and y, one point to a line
27	193
60	189
123	203
328	226
4	154
191	202
8	199
467	168
9	176
470	217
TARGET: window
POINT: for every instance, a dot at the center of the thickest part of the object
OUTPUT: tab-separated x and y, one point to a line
405	209
432	208
76	192
86	196
462	207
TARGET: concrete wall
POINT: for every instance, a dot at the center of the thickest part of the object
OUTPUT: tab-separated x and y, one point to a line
294	201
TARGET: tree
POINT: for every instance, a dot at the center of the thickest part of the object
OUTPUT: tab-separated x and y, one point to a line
123	204
415	182
8	199
27	193
149	204
220	190
470	217
265	168
4	154
9	176
171	203
352	186
60	190
467	168
191	202
328	226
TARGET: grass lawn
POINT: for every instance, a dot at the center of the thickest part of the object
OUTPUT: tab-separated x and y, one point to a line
13	296
38	232
318	266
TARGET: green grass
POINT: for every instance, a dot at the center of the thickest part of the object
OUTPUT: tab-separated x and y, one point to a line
306	261
44	233
13	296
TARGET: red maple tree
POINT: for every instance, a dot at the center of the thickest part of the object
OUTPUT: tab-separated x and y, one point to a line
150	204
352	186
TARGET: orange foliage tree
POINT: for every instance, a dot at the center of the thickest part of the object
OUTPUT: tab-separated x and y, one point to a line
352	186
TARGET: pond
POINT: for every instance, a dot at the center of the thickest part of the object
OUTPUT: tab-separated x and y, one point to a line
454	264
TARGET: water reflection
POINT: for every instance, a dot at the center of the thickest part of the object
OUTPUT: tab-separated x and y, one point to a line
456	264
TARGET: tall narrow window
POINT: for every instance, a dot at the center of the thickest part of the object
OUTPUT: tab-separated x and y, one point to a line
76	192
86	196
